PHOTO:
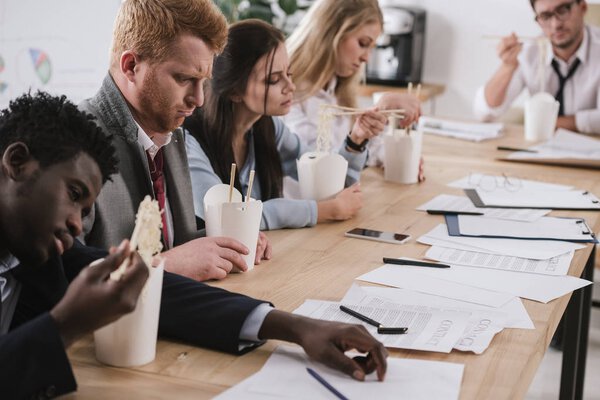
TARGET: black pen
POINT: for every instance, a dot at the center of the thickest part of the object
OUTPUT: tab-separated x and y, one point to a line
443	212
358	315
507	148
399	261
383	330
323	382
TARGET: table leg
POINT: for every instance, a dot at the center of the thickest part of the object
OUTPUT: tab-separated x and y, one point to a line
576	330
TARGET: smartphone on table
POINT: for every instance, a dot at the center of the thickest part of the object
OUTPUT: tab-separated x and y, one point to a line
370	234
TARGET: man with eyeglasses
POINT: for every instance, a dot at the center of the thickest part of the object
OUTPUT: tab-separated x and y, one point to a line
568	62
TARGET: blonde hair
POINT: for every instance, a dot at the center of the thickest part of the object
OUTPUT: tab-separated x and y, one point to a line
149	27
313	45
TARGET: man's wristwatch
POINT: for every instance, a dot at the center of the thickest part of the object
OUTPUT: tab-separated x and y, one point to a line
354	146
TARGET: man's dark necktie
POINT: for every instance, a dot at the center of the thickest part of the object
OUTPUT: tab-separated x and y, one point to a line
562	80
158	184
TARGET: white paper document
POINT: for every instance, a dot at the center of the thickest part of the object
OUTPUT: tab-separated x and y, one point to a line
481	328
565	147
544	228
284	376
475	180
428	330
472	131
553	266
525	198
514	309
447	202
534	249
542	288
413	279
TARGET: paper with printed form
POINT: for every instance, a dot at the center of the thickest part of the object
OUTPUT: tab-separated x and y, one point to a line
549	228
565	140
534	249
406	277
427	330
542	288
552	266
284	375
558	200
447	202
475	180
481	328
565	148
473	131
515	310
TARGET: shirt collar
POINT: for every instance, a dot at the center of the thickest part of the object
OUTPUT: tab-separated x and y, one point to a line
581	53
152	145
331	86
8	262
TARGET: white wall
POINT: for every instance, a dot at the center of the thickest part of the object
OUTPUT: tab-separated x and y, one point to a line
76	37
72	36
456	55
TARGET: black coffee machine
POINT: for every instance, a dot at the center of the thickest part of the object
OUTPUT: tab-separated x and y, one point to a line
398	57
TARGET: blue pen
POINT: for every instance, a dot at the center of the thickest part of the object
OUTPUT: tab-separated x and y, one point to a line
323	382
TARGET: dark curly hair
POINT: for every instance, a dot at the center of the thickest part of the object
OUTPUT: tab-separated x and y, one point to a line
55	130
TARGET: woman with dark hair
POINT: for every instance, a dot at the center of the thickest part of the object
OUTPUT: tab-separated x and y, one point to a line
251	86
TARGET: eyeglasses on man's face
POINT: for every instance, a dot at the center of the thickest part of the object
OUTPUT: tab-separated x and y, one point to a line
562	13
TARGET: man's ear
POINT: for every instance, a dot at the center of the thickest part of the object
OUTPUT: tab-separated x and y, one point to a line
17	162
127	63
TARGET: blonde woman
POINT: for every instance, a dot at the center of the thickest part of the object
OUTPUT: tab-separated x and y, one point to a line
327	50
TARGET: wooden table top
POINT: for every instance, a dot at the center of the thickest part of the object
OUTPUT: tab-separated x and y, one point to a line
321	263
428	90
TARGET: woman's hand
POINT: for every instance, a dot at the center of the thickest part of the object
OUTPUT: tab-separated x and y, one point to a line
368	124
407	102
344	206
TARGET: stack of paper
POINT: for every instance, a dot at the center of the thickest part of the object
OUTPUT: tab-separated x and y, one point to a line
446	202
457	279
474	180
461	130
532	249
429	329
517	316
565	148
548	228
553	266
285	375
483	324
524	198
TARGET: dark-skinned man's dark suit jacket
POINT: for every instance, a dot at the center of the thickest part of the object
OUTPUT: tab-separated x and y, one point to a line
33	359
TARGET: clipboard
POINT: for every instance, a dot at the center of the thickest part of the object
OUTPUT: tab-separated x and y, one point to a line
565	148
580	200
587	236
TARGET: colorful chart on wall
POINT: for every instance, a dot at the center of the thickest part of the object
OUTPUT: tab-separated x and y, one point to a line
41	64
3	85
59	46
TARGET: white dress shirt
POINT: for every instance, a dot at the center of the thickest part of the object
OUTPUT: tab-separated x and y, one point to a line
10	289
303	120
581	95
152	145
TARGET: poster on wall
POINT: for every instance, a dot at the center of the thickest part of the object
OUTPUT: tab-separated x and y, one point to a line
58	46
